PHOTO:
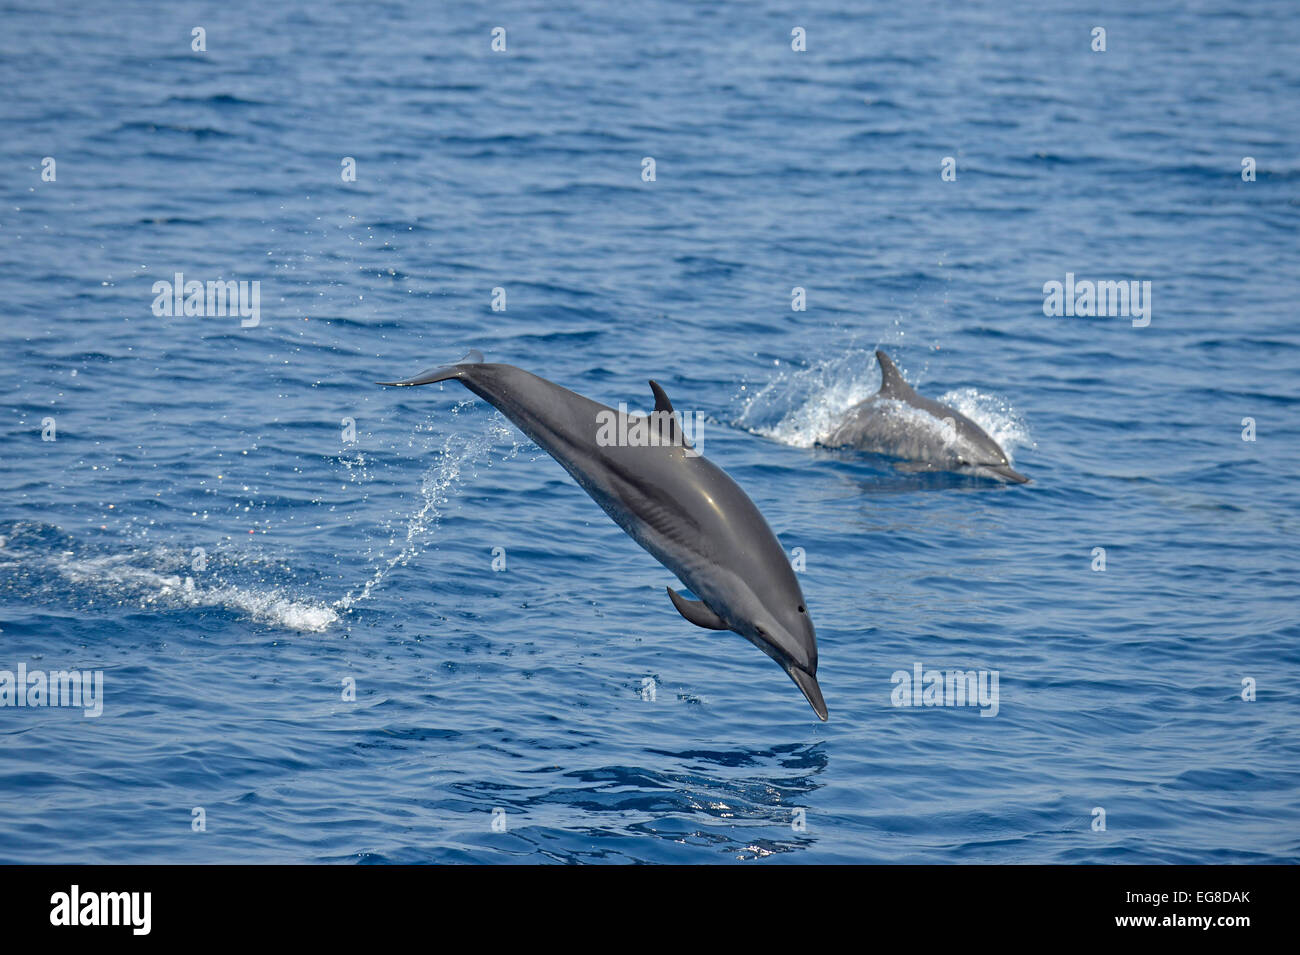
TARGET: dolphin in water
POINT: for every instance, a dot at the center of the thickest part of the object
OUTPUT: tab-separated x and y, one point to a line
684	510
930	436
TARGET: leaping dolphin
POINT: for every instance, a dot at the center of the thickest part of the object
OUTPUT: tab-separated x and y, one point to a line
928	435
685	511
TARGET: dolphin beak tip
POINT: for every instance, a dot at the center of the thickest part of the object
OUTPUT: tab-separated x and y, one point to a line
812	692
1007	473
820	709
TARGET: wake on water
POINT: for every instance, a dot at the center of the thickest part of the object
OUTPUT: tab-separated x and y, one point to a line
802	406
41	562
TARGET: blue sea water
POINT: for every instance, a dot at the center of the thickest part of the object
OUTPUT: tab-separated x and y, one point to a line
524	689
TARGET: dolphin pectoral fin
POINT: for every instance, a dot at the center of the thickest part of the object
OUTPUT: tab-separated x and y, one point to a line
697	612
665	407
441	373
806	682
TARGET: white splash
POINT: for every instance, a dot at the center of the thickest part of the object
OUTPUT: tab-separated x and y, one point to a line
119	576
800	406
458	455
994	414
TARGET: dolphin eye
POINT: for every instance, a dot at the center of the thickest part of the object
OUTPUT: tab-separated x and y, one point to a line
801	610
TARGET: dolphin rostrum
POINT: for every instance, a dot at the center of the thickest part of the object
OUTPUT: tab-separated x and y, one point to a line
897	421
684	510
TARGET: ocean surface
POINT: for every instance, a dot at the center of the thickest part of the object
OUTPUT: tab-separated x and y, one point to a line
240	530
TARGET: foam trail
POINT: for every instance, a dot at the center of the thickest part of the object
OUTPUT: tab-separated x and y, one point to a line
115	575
157	578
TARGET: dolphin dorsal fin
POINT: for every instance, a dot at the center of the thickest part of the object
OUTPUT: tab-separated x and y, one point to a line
697	612
664	407
892	383
661	398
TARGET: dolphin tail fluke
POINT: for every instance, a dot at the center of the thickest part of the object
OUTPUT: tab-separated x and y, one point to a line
806	682
441	373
